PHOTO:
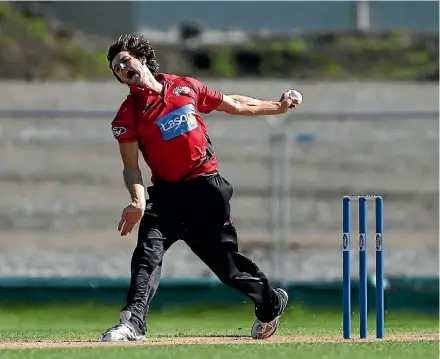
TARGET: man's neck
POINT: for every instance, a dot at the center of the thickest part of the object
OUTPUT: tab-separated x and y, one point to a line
152	83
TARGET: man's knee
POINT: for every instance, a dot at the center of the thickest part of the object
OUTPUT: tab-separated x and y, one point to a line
149	250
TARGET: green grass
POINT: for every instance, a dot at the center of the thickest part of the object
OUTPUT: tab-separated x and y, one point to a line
254	351
87	321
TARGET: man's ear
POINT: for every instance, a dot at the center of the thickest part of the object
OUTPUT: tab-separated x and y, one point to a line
143	60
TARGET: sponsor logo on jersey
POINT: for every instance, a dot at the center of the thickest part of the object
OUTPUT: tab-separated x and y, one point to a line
178	122
118	131
178	90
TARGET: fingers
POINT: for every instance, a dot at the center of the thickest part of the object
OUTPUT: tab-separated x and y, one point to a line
285	96
286	104
292	102
130	227
126	224
124	216
122	221
126	228
122	226
294	98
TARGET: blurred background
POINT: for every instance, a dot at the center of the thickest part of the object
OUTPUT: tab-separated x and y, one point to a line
368	72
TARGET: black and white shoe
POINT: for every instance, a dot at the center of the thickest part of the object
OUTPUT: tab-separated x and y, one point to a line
124	331
262	330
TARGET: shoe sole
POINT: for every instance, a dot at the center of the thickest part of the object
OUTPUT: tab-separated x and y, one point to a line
138	339
123	340
277	319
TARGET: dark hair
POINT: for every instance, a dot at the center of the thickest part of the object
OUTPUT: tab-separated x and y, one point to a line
137	46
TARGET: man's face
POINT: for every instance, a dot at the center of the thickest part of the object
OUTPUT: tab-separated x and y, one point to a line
128	68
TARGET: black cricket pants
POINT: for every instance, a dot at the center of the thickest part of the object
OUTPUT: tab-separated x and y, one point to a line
196	211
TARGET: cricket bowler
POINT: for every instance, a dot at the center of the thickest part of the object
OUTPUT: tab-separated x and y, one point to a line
189	199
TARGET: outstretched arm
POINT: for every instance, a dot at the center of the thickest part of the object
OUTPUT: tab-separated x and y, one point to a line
209	100
248	106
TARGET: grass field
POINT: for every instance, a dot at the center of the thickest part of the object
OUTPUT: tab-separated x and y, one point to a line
54	331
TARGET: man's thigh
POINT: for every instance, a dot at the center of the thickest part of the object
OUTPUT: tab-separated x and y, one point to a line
214	248
155	236
205	240
209	213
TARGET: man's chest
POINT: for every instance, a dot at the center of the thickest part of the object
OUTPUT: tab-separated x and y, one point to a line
167	119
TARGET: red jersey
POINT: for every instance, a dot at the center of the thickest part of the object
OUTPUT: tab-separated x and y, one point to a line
168	127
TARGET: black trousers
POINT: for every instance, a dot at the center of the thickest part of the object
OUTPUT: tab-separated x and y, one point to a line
196	211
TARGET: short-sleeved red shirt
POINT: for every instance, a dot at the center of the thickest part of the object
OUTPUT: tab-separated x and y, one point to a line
168	127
